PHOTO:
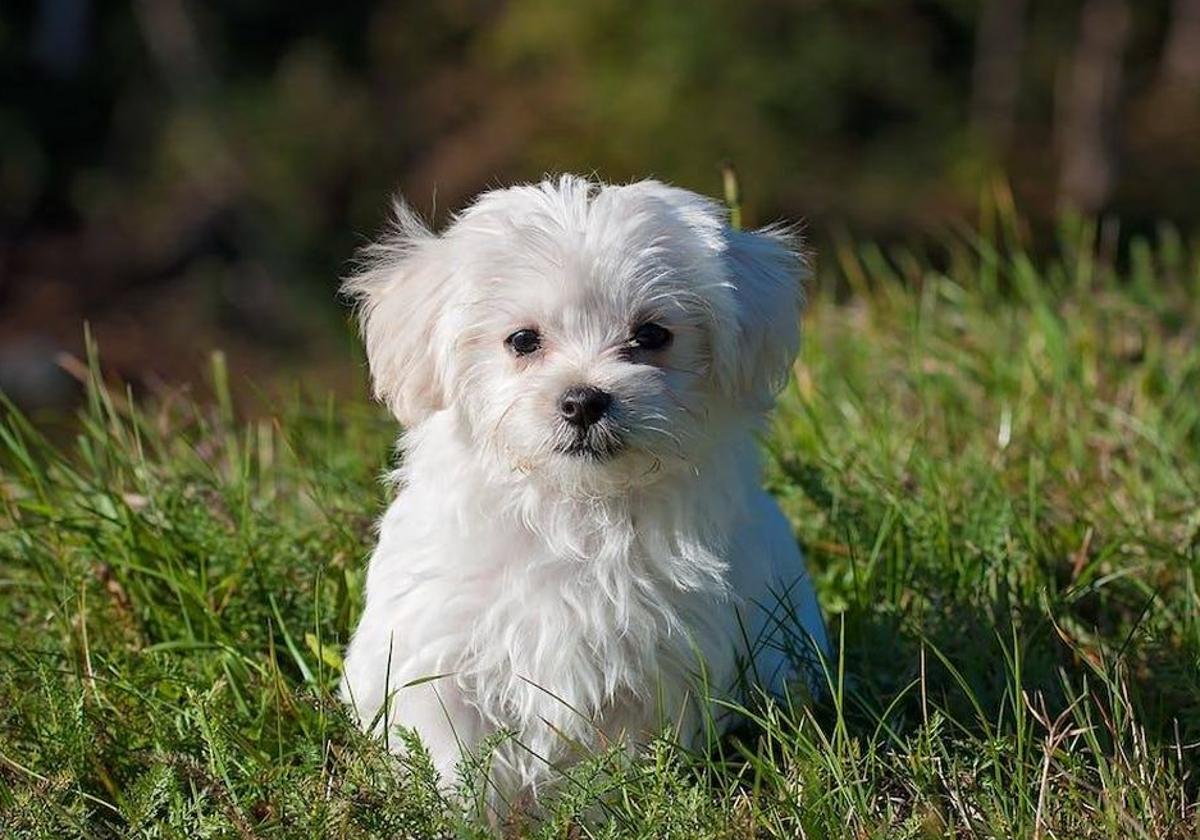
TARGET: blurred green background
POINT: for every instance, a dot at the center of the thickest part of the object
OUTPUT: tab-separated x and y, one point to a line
188	175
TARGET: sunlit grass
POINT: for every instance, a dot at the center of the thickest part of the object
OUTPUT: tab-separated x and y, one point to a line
992	459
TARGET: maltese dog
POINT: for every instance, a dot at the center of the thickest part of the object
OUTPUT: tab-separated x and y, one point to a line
579	553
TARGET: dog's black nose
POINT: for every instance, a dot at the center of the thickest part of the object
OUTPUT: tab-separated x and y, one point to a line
582	405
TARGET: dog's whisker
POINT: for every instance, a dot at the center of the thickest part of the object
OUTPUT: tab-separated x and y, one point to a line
680	404
512	404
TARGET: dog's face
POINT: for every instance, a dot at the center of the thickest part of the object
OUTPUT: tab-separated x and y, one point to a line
591	337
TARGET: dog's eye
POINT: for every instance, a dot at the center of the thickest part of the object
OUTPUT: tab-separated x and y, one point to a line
524	342
651	336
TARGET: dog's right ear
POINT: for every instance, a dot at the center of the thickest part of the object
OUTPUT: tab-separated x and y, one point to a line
401	290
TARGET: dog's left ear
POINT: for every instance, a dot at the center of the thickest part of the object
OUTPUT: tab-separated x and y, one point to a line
766	270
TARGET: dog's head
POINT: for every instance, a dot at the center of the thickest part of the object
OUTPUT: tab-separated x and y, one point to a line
588	335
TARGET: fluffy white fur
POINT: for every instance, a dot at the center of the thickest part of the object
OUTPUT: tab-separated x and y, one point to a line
574	599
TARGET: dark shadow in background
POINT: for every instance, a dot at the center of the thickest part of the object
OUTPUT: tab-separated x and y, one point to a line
193	175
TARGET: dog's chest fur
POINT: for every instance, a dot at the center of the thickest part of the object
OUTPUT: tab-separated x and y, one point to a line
552	616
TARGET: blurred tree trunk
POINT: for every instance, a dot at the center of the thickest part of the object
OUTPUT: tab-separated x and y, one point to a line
1180	69
1167	116
996	76
1088	102
60	36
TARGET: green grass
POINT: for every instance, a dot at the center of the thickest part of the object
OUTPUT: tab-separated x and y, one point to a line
994	465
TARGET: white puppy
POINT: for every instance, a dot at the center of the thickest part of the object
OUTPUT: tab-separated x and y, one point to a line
580	549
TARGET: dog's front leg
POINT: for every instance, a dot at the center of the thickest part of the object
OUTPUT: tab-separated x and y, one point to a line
449	728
